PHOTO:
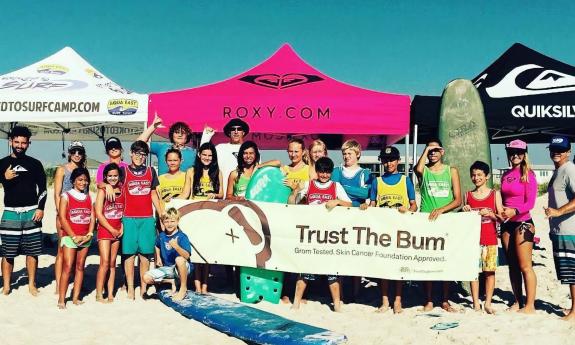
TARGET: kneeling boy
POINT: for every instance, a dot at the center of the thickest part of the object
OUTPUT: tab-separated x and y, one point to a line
173	251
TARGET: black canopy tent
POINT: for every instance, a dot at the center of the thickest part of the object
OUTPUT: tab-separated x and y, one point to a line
525	94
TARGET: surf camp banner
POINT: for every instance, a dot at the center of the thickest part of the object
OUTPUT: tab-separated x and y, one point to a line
379	243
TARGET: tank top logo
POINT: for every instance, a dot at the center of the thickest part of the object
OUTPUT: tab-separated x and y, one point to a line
139	187
114	211
80	216
390	200
484	219
319	198
438	189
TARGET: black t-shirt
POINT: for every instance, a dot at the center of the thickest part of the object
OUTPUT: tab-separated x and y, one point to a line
26	189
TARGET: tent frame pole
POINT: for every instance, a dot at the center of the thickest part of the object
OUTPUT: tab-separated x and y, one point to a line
415	129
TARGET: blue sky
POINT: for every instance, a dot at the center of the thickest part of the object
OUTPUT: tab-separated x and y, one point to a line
410	47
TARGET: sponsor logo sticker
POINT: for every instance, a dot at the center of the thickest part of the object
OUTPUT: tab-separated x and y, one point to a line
122	106
52	69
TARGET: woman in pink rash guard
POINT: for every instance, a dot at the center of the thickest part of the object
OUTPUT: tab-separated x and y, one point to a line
518	191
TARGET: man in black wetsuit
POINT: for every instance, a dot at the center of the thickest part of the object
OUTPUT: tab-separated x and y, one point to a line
24	183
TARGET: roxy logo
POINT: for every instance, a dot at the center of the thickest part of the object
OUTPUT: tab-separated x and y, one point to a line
548	81
543	111
276	81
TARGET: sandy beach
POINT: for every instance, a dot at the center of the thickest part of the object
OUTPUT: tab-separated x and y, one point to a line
36	320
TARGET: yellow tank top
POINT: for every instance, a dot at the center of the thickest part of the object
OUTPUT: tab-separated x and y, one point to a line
392	195
300	175
171	187
205	188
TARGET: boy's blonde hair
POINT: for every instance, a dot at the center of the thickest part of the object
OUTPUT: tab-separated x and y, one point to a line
352	145
170	213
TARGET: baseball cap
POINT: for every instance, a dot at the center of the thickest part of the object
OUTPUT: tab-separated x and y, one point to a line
559	143
76	145
516	145
236	123
389	153
113	143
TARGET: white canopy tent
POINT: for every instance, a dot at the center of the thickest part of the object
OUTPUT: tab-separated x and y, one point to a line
63	96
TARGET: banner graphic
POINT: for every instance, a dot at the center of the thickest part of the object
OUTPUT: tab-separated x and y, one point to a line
378	243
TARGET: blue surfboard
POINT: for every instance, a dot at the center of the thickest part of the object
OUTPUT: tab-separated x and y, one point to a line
247	323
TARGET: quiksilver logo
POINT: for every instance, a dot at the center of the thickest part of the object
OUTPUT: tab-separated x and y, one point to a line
546	82
543	111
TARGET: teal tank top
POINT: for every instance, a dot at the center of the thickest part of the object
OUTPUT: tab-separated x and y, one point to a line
436	189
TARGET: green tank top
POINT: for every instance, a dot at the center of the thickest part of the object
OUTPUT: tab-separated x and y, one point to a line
436	189
241	185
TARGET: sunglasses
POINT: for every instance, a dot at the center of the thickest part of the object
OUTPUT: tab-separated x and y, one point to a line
515	152
77	152
236	129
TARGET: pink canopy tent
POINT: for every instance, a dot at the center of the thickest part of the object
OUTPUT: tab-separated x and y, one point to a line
285	96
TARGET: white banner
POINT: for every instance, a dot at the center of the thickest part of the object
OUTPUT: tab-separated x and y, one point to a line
379	243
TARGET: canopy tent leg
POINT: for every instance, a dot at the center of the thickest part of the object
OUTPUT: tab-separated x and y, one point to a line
415	129
406	162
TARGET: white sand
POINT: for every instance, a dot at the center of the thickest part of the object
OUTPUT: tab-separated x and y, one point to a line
36	320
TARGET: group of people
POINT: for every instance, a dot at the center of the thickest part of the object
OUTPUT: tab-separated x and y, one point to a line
133	220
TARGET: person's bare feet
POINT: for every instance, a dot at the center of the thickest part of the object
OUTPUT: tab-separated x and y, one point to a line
513	307
527	310
6	291
397	307
428	306
488	309
110	299
286	300
569	317
337	307
476	306
100	298
179	295
384	307
61	305
447	307
33	291
77	302
131	294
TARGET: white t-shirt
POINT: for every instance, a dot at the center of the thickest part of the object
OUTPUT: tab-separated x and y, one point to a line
340	193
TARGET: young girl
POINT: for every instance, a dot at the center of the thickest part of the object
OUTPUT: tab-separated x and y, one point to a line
248	156
518	192
204	182
316	150
487	202
77	218
297	171
62	183
109	215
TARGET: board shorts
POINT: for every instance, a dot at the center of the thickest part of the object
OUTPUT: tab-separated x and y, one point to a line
19	234
139	235
488	258
313	277
167	272
68	242
564	258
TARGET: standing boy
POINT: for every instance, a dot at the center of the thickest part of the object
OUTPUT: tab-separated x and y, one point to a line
440	193
488	203
139	226
392	190
561	215
321	191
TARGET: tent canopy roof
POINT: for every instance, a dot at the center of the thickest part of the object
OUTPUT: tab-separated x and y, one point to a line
285	95
64	92
525	94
